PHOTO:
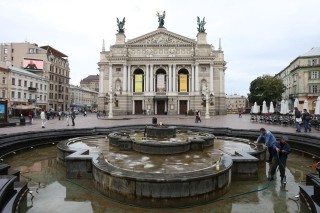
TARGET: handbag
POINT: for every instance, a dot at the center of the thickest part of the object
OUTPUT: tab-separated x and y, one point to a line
299	120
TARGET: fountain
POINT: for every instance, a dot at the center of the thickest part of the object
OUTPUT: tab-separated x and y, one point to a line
163	165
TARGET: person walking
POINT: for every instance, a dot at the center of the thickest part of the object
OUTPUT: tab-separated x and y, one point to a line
269	139
281	150
73	116
240	112
68	115
43	118
297	114
306	120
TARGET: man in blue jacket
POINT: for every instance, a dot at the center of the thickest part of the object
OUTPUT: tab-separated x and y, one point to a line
269	140
281	150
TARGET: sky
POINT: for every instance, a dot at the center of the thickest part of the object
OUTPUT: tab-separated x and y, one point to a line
258	37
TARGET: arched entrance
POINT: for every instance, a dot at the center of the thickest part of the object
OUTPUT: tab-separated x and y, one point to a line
161	87
138	87
183	80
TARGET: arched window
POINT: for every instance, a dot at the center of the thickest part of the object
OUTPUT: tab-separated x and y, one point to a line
161	80
183	80
138	80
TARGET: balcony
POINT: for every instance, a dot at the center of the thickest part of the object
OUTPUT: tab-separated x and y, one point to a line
32	89
32	100
60	91
60	100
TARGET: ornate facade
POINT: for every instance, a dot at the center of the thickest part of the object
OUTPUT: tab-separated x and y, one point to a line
162	72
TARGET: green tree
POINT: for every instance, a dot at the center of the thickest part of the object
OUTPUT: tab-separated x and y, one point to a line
266	88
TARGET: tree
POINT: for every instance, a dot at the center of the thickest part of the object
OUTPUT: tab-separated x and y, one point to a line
266	88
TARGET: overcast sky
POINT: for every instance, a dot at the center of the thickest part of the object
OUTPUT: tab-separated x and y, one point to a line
258	37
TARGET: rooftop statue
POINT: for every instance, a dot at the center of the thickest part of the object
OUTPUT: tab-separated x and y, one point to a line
161	19
201	24
121	25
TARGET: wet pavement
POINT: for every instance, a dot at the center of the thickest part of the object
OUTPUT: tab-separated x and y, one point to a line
232	121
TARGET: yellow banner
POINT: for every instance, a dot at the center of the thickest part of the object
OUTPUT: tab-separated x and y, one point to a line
138	83
183	83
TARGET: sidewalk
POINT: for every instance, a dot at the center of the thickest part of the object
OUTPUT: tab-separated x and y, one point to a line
232	121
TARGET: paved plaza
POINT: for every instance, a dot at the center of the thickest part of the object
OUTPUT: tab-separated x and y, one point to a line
231	120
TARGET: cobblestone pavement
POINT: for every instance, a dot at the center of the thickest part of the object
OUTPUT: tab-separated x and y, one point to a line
232	121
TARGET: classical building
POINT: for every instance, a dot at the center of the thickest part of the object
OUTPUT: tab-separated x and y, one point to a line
4	85
162	72
91	82
83	97
45	61
27	88
234	102
302	79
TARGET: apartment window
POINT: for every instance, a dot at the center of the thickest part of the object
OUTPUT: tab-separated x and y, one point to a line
5	50
55	96
3	80
30	96
19	82
45	98
12	94
5	58
25	83
314	62
3	93
55	88
37	85
25	95
313	88
41	86
31	50
314	75
40	97
13	81
45	87
31	84
19	95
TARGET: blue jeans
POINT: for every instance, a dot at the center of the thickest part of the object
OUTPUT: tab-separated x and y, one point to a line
307	126
298	127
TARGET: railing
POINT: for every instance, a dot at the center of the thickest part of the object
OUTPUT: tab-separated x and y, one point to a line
32	89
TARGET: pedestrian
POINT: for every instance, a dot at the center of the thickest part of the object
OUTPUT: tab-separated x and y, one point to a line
73	116
240	112
68	116
297	114
306	120
85	113
30	117
98	114
269	139
281	150
197	117
43	118
59	114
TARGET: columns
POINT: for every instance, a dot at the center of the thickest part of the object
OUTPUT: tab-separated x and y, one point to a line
124	80
211	78
128	79
170	78
174	78
151	78
193	77
110	77
147	78
100	81
196	78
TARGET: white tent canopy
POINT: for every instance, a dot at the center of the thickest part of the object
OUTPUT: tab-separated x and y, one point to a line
282	108
271	109
306	105
317	108
296	103
255	108
264	107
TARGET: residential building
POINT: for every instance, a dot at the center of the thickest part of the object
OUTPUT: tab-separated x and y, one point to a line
4	83
83	97
91	82
302	79
45	61
27	88
234	102
162	72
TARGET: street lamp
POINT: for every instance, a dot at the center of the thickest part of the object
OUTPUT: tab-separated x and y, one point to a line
111	98
207	98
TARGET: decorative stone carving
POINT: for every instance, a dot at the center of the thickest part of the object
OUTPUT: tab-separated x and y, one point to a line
160	39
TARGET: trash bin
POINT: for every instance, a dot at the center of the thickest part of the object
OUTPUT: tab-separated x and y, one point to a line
22	121
154	120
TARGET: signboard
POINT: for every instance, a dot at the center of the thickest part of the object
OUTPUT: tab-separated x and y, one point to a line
161	83
183	82
3	111
138	83
32	64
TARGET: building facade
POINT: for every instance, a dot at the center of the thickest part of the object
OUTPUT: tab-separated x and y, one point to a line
302	79
162	72
91	82
27	88
235	102
4	85
83	97
45	61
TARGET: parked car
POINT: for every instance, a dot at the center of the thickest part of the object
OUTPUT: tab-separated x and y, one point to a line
76	111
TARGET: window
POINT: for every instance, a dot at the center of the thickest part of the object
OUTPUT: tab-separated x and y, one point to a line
31	84
118	69
5	50
13	81
3	93
5	58
40	97
37	85
45	98
41	86
314	75
45	87
19	95
19	82
30	96
25	95
314	62
31	50
12	94
25	83
4	80
313	88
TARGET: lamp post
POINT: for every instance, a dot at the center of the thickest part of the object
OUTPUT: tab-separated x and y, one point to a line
207	98
112	97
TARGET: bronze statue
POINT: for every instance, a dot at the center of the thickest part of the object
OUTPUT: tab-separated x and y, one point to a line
121	25
161	19
201	25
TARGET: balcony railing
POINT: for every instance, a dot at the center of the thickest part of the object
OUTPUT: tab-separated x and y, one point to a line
32	89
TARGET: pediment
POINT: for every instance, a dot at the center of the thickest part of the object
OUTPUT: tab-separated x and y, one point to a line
161	37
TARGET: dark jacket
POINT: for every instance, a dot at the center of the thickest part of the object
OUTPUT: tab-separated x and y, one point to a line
297	113
282	155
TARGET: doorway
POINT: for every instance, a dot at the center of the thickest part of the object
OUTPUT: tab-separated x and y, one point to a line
138	107
183	107
160	107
